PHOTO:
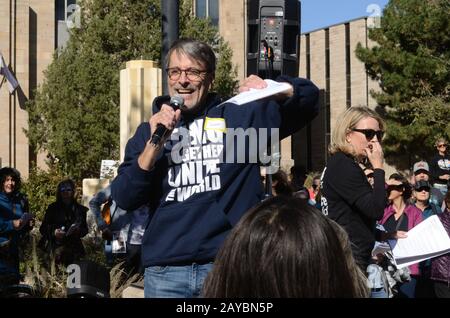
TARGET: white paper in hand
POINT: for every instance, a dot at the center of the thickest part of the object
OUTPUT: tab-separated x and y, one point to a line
380	248
255	94
426	240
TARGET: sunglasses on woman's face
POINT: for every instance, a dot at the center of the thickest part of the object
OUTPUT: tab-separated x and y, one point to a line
370	133
427	189
68	189
395	187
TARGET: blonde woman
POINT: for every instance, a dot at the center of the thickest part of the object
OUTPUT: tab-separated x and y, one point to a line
347	196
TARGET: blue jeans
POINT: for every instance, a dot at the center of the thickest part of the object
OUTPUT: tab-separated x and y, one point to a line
175	281
378	293
408	289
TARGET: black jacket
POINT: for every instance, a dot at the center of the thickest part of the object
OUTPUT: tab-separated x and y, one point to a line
59	215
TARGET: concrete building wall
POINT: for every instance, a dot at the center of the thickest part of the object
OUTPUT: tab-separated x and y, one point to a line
27	43
342	80
329	61
359	78
14	39
233	28
338	81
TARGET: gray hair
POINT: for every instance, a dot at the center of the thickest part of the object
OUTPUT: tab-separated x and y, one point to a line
197	50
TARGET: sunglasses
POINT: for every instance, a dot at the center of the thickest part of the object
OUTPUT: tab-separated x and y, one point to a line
443	145
315	186
66	190
423	189
398	187
370	133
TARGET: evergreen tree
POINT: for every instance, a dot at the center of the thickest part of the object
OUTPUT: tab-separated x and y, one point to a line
74	116
411	61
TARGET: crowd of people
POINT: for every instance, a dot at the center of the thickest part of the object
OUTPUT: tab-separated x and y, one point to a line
197	226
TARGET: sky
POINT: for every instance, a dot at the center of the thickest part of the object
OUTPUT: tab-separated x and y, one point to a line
317	14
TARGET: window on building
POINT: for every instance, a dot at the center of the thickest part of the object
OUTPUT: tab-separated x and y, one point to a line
64	9
208	8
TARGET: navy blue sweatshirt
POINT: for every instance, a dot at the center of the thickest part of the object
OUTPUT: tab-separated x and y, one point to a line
196	197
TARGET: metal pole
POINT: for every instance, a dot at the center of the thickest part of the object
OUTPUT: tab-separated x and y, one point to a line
170	18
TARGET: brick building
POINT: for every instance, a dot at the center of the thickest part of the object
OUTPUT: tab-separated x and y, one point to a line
34	29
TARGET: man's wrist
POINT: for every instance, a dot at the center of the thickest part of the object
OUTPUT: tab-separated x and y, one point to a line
147	158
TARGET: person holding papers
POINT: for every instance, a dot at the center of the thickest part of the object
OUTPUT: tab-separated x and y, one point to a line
64	225
196	198
440	266
399	215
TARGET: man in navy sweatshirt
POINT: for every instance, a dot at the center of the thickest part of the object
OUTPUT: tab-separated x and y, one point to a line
204	174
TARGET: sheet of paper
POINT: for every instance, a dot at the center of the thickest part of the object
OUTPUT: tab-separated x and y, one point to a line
380	248
426	240
255	94
118	244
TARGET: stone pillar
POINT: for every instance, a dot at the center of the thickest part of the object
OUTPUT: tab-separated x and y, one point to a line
286	161
140	83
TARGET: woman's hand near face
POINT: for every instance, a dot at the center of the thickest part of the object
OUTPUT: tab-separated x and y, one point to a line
375	154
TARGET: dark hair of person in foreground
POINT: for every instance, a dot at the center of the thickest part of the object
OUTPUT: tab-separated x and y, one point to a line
285	248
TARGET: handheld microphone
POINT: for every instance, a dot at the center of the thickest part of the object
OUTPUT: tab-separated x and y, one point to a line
175	102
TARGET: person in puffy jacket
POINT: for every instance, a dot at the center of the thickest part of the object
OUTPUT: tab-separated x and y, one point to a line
15	222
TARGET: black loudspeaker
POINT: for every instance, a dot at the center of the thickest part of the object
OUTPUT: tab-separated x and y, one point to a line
87	279
273	37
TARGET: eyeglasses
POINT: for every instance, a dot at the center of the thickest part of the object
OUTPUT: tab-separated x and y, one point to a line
370	133
442	145
398	187
423	189
192	74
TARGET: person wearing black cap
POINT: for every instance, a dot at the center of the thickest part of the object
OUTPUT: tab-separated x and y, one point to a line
422	191
421	171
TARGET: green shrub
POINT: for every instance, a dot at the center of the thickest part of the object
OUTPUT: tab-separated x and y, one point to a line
41	189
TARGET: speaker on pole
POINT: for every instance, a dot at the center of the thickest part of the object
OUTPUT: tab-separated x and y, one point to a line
169	33
273	37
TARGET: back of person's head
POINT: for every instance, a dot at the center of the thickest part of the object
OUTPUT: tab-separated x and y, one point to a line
302	194
281	184
298	177
401	180
14	174
196	50
346	122
285	248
